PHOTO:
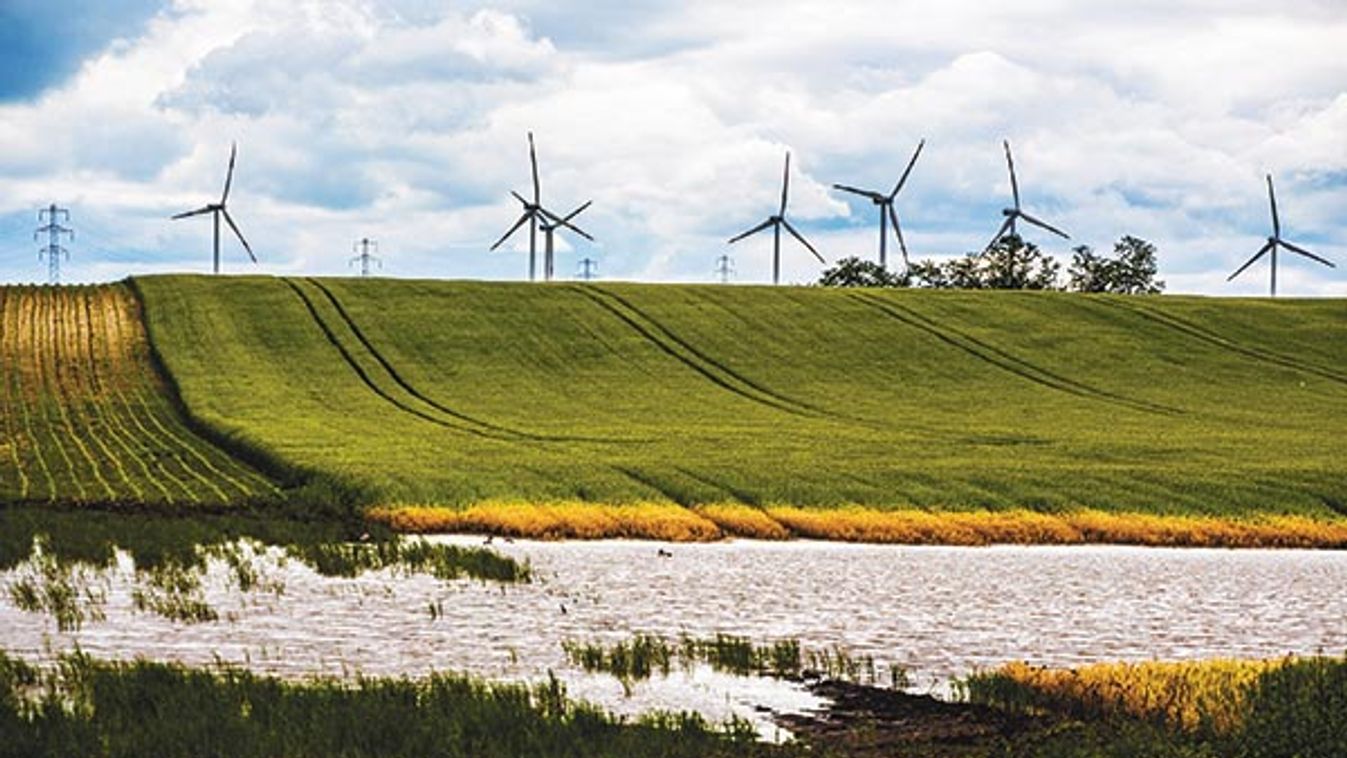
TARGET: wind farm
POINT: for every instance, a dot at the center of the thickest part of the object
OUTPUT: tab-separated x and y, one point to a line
656	441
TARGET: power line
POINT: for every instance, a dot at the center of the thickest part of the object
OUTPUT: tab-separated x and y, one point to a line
725	268
364	245
53	249
589	269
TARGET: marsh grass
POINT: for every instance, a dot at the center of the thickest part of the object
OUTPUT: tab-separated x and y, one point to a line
645	655
84	706
1283	707
72	594
63	560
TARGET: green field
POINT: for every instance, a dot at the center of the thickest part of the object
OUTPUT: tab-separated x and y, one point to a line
457	393
86	419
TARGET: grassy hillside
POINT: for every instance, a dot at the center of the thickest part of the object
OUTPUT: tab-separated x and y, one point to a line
84	416
457	393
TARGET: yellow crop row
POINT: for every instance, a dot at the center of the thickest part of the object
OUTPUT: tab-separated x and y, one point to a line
666	521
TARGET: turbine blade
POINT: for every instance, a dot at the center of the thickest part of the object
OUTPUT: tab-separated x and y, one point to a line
1045	225
858	191
1261	251
1306	253
1010	164
577	230
229	175
1272	201
898	230
230	220
785	185
520	198
999	233
513	229
197	212
903	179
802	240
752	231
533	160
577	211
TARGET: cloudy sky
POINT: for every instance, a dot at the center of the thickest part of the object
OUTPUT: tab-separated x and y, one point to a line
406	120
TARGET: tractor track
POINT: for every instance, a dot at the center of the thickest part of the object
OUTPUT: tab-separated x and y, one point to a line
1006	361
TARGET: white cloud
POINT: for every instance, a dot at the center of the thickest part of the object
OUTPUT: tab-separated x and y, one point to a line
405	121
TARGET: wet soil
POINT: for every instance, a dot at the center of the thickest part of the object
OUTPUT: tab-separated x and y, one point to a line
870	721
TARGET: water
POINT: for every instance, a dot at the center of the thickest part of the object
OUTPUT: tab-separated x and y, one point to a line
939	612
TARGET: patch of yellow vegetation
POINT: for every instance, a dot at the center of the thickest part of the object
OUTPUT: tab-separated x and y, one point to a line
1187	695
667	521
744	521
561	520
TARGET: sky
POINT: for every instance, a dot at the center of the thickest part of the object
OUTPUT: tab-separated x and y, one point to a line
405	121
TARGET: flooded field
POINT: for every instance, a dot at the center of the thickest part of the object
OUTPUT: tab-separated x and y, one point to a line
932	612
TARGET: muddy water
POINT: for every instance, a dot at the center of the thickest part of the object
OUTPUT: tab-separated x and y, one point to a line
938	612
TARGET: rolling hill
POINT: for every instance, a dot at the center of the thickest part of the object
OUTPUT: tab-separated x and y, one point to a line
456	393
87	420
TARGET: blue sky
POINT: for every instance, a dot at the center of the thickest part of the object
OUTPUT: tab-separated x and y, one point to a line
405	121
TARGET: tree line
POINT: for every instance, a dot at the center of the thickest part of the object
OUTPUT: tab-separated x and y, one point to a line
1011	263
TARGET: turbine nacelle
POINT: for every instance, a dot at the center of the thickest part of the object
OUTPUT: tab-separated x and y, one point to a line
1275	241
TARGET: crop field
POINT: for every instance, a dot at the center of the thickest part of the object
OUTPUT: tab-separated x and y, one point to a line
85	418
458	394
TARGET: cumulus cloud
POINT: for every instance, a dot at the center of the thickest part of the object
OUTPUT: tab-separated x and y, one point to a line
405	120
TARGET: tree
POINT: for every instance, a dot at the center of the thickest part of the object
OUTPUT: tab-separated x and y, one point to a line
1010	263
1131	270
855	272
1013	264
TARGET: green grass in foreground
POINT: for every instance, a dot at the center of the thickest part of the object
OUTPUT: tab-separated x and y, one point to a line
94	708
457	392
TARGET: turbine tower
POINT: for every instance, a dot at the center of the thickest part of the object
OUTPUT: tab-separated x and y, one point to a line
533	213
1276	241
220	209
886	211
1013	214
549	225
776	222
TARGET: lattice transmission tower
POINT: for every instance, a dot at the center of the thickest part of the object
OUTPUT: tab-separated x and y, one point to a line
53	229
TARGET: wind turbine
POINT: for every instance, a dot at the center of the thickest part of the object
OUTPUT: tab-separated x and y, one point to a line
776	222
886	210
219	209
549	225
1276	241
533	212
1012	214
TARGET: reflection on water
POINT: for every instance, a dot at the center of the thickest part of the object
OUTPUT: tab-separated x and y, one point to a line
939	612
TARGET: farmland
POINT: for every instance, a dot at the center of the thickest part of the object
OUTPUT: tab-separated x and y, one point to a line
459	394
87	420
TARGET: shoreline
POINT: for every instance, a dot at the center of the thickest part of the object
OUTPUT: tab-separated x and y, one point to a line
714	522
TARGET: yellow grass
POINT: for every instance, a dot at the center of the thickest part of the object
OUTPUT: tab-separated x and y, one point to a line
1185	695
667	521
573	520
744	521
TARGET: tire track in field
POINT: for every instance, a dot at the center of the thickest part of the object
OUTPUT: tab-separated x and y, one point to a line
381	392
717	374
407	386
1202	334
1004	360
